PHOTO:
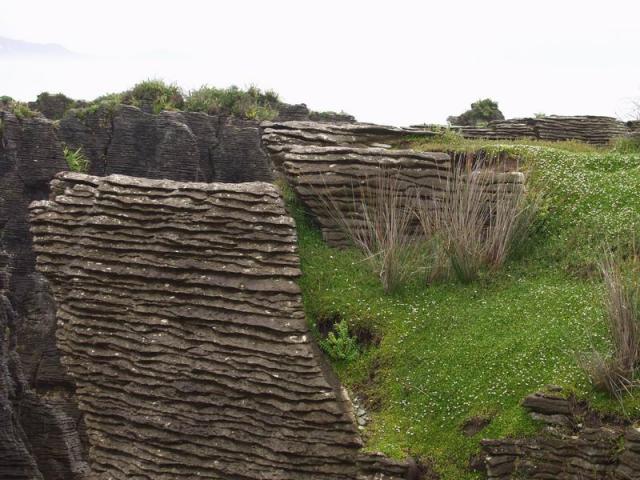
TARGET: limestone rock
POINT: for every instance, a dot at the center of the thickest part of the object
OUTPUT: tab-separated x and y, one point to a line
185	146
44	440
582	446
279	137
183	327
590	129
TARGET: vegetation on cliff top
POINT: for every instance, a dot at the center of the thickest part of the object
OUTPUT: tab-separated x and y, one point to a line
157	95
437	356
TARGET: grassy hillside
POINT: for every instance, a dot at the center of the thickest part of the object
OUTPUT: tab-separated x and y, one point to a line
443	354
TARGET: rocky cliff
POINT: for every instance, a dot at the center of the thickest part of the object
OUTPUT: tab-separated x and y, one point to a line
183	327
39	396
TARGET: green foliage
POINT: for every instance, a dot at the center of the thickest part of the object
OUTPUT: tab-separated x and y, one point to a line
628	144
252	103
155	93
76	160
340	345
481	112
19	109
451	351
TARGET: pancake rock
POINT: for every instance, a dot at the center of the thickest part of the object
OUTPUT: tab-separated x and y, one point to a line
334	179
279	137
185	146
593	129
122	139
182	324
576	444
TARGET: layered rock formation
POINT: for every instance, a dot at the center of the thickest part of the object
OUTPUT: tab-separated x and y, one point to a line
590	128
280	137
183	327
44	435
185	146
577	444
332	168
41	399
329	180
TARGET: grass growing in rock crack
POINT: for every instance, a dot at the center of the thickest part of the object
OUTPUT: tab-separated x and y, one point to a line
449	352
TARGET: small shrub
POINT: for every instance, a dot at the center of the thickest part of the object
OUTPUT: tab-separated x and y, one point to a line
615	373
340	345
76	160
252	103
19	109
156	93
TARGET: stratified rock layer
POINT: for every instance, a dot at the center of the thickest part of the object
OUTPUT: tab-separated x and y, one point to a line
333	179
589	128
280	137
123	139
183	327
577	444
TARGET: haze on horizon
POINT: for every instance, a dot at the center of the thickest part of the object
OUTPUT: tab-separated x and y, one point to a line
401	62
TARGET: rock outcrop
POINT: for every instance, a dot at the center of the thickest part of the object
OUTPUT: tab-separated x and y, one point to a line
40	396
183	327
279	137
576	444
329	180
332	167
45	434
186	146
593	129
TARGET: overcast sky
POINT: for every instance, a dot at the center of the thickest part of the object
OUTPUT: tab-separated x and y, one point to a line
395	62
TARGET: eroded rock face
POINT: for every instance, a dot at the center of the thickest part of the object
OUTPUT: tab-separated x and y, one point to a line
593	129
577	444
183	327
42	438
280	137
327	179
40	399
185	146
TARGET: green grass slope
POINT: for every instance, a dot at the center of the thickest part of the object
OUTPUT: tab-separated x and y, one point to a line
450	352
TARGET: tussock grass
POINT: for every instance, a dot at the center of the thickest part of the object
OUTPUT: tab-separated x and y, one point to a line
616	372
379	223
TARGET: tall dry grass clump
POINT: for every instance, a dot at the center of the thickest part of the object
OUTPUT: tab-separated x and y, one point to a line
480	217
616	372
380	222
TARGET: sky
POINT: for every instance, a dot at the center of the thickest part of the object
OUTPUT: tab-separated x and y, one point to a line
395	62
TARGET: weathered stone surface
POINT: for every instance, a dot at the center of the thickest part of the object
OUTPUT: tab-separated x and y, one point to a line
175	145
41	404
326	178
582	446
279	137
184	146
590	128
183	327
330	167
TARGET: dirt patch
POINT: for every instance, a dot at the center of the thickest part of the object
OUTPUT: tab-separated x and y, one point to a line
475	425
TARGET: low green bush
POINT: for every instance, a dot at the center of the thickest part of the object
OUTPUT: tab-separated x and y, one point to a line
340	345
252	103
76	160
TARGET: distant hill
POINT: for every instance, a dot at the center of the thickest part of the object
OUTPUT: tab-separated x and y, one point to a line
11	47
